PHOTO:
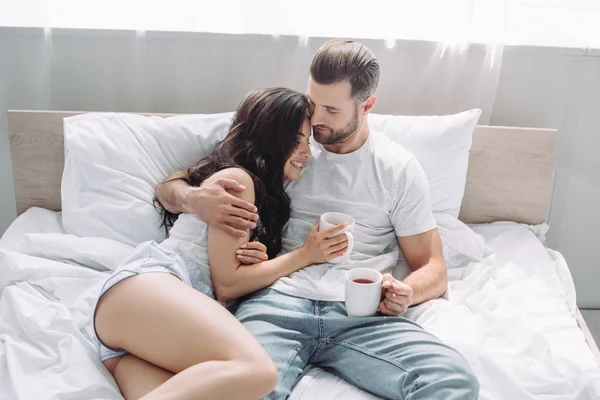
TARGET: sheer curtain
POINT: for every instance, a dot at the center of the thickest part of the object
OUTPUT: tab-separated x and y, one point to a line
439	56
459	66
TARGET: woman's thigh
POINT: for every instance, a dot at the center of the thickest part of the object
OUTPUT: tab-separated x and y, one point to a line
135	376
160	319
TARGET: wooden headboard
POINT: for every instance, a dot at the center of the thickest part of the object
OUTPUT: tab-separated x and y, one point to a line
509	178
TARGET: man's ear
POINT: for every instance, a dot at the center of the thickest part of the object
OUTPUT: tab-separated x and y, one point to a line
369	104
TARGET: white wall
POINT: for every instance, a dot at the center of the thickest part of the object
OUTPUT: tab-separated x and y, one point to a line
192	73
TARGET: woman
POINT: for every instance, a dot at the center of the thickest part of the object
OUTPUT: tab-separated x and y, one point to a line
159	337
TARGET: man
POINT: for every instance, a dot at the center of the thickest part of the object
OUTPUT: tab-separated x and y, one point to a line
301	319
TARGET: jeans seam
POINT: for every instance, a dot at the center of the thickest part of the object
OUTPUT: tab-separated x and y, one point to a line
289	362
380	356
320	340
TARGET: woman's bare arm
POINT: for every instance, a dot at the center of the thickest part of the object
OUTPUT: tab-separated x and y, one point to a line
232	279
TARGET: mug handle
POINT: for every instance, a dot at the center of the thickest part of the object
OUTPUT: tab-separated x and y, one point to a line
350	243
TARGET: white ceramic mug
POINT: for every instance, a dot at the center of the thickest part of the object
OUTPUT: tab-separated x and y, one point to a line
362	292
331	219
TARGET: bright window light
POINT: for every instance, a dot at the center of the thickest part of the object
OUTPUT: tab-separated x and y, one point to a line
570	23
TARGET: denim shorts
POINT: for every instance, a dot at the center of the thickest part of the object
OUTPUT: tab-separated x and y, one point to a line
148	257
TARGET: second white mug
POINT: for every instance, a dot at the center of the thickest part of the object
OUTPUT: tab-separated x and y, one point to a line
331	219
362	292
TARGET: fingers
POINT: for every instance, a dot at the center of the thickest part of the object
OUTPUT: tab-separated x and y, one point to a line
401	289
388	307
238	223
242	213
337	240
230	184
387	281
397	287
230	230
248	260
338	247
336	254
255	245
252	253
243	204
395	307
394	298
384	310
397	303
334	229
258	255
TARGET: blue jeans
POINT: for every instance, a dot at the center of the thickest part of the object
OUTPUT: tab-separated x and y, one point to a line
391	357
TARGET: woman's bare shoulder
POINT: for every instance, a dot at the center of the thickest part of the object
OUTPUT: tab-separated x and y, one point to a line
239	175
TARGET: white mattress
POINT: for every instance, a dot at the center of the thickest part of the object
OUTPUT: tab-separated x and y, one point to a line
512	316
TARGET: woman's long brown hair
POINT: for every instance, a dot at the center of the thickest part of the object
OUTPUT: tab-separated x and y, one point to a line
263	134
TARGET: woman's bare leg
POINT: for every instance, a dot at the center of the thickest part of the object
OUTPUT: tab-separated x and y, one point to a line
165	323
135	376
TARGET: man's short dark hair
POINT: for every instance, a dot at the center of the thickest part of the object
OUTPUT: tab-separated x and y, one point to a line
346	60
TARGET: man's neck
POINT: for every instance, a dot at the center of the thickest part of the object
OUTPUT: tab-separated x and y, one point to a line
352	144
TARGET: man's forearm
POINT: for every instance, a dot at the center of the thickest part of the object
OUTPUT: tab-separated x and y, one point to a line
428	282
172	192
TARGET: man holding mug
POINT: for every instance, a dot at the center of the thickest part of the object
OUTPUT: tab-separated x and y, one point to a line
359	173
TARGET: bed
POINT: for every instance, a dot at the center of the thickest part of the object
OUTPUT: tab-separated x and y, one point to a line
512	314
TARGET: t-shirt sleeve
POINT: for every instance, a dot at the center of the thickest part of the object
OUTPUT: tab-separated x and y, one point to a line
411	209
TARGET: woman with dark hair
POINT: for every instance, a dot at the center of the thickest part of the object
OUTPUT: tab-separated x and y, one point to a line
160	320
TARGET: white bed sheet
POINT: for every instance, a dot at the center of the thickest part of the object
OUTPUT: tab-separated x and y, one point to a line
512	316
34	220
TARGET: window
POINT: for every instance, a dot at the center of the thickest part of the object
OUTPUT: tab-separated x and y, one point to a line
570	23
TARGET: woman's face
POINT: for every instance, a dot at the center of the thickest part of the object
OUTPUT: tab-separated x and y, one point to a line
294	164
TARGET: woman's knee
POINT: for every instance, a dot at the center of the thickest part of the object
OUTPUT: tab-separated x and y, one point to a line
258	377
268	375
261	362
265	374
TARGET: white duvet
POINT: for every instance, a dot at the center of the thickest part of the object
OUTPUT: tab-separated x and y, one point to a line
511	315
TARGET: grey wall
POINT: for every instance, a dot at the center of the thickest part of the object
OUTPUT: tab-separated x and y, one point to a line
192	73
560	88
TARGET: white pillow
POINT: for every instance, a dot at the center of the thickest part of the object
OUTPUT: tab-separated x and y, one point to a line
113	163
441	144
460	244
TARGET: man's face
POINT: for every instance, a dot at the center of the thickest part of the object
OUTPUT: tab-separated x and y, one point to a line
334	114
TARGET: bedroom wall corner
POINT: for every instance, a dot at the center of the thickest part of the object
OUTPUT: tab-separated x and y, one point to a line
7	192
7	198
575	216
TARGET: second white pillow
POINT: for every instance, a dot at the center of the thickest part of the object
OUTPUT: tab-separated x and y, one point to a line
441	144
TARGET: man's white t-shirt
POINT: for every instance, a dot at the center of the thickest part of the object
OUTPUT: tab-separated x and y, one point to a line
381	185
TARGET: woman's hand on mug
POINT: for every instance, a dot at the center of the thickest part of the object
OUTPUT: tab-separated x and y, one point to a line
319	247
252	253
